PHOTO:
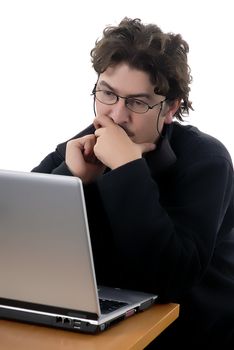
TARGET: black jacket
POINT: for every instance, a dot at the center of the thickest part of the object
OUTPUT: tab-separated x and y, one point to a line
165	224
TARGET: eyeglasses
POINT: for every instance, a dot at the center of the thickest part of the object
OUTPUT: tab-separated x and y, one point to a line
133	104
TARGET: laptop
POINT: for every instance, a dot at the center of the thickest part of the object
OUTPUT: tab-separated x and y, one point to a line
47	273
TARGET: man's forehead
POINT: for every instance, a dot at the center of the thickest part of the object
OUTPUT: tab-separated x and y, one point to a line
126	82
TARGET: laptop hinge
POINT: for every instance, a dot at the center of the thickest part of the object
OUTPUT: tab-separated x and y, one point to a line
47	309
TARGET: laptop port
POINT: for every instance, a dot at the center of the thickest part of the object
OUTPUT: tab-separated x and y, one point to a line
59	319
77	324
66	321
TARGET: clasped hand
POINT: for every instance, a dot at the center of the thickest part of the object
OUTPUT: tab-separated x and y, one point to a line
87	157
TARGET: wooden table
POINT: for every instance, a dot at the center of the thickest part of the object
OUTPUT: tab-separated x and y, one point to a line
134	333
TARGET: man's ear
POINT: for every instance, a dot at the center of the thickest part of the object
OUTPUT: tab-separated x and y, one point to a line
172	108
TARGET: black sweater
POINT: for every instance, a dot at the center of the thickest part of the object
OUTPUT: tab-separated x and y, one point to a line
165	224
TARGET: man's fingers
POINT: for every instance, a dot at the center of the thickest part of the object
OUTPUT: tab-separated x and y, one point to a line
102	121
89	144
85	144
96	123
97	132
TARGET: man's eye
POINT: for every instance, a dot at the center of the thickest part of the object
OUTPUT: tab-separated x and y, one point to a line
133	102
108	93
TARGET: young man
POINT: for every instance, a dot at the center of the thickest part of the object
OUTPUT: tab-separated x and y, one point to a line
159	194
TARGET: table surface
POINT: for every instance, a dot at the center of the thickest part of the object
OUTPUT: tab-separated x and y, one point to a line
133	333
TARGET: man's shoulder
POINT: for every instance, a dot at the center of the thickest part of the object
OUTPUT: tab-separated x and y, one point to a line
188	140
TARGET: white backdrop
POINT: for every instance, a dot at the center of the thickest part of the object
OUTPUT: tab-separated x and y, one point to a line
46	76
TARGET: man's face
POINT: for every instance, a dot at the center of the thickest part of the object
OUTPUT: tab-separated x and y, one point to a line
130	82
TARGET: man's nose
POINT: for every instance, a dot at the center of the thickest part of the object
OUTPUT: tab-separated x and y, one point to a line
120	113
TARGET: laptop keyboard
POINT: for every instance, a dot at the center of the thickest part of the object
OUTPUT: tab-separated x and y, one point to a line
110	305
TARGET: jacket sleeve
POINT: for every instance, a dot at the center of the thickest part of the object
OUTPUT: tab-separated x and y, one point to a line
53	163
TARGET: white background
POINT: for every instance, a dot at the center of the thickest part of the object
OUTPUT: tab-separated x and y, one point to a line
46	76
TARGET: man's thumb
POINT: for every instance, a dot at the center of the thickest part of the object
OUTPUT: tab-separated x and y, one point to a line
147	147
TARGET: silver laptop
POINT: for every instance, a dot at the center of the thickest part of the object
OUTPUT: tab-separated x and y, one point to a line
47	273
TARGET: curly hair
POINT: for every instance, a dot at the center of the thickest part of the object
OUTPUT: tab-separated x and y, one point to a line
146	47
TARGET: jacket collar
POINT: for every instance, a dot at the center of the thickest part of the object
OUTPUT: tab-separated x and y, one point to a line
163	157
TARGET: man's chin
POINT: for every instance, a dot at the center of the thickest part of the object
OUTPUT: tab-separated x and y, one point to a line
132	138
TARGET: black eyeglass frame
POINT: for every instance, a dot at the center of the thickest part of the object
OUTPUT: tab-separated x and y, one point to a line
126	100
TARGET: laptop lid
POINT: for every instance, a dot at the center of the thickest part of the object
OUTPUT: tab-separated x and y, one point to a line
44	243
46	263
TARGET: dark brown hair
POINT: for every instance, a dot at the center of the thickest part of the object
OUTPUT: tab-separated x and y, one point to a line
145	47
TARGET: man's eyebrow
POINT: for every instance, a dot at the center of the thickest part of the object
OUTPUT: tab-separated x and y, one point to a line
106	85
